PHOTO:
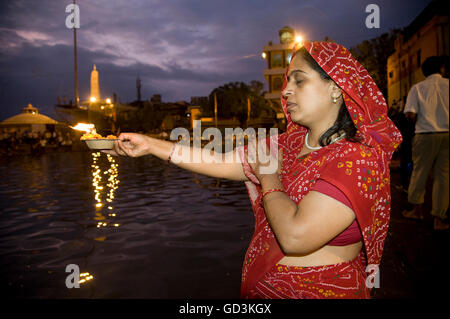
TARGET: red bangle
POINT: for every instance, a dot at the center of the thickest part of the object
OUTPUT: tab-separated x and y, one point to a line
171	153
272	191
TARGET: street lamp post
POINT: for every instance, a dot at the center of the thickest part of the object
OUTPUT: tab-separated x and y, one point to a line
77	98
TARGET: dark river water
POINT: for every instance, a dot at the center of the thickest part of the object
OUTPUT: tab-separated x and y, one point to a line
136	228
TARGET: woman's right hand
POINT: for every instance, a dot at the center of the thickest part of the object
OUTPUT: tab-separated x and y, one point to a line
131	145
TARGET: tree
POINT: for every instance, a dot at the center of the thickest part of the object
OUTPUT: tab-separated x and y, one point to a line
232	100
373	55
257	87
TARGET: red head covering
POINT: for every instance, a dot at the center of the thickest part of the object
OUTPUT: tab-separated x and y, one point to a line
359	170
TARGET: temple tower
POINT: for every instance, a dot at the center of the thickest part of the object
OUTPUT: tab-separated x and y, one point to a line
95	88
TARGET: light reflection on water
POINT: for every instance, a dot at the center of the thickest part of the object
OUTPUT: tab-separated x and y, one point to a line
140	227
104	186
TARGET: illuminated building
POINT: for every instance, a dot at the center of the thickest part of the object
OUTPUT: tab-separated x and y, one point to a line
29	120
278	57
427	35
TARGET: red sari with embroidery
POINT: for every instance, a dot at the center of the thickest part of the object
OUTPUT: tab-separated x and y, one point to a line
359	170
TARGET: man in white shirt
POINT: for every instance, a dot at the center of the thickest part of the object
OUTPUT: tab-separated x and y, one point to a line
427	106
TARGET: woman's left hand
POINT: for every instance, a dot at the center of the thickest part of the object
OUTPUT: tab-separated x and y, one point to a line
265	164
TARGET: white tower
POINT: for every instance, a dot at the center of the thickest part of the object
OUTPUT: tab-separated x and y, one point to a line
95	88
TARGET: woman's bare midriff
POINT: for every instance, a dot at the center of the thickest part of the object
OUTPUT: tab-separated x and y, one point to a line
327	255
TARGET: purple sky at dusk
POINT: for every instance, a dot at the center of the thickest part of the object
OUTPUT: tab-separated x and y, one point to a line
179	48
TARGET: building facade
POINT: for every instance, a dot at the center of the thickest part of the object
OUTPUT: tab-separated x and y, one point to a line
427	35
278	57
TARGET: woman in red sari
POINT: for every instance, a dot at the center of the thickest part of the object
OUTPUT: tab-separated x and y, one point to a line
322	218
317	237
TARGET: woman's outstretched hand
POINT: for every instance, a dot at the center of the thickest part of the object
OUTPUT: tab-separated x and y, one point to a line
130	144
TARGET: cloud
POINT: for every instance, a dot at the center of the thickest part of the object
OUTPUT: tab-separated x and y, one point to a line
41	73
179	48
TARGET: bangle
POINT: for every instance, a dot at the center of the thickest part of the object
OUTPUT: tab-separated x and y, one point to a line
171	153
271	191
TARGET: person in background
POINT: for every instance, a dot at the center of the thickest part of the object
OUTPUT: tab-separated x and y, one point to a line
427	107
393	110
404	152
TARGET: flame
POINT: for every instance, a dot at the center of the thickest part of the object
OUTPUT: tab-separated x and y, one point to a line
88	128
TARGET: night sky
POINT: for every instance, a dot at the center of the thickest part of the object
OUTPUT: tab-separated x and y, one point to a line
179	48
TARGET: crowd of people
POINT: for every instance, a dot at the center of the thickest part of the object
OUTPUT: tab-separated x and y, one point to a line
34	142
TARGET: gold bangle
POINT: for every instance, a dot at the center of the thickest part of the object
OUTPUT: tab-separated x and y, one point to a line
272	190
